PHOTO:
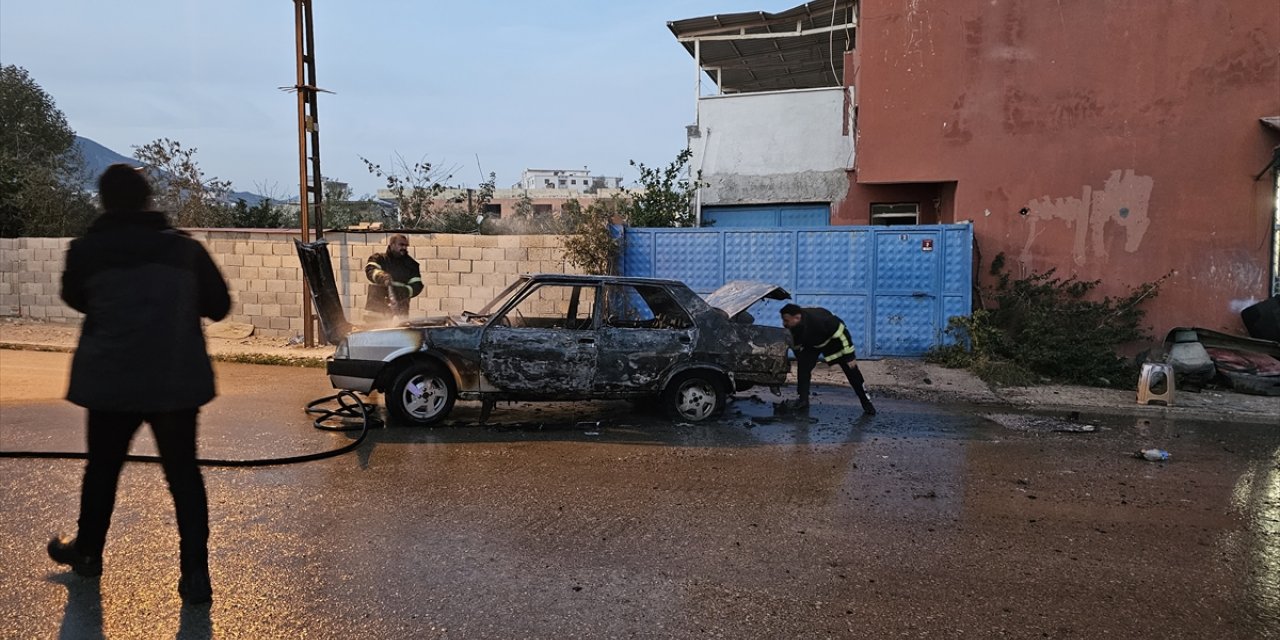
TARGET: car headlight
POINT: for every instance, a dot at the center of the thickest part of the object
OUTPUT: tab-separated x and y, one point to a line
343	352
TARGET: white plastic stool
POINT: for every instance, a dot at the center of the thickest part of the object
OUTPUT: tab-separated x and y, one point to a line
1145	394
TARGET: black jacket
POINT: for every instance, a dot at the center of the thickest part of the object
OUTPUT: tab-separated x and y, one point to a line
143	287
817	331
404	272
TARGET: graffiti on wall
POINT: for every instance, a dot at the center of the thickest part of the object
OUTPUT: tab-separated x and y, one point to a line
1122	202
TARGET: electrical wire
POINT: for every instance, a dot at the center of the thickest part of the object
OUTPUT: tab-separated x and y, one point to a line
351	414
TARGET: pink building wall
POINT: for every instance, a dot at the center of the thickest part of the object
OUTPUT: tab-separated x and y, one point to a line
1112	140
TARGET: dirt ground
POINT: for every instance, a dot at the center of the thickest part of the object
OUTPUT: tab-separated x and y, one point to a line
905	378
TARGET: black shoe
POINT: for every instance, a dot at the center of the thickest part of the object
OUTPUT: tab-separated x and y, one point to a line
63	551
868	408
793	406
195	588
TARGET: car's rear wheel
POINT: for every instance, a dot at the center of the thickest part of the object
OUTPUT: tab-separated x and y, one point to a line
422	394
694	396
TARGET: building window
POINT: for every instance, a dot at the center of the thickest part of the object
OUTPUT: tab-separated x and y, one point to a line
492	210
896	213
541	209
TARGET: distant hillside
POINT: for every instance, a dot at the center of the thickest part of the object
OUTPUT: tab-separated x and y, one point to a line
97	158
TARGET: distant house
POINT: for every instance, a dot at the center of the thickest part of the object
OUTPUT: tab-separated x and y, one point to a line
542	200
579	180
1111	141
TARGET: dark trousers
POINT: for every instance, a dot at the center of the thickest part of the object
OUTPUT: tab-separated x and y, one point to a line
109	435
807	359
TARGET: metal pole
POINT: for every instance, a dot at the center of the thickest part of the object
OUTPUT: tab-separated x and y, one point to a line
313	91
303	200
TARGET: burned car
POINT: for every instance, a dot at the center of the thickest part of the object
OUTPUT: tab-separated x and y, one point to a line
560	337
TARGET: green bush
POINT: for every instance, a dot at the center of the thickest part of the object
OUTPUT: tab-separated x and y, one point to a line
1047	327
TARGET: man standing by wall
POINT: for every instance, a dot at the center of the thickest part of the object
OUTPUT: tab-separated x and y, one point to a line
143	287
815	333
394	278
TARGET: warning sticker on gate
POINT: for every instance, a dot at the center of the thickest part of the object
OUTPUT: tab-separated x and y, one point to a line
926	244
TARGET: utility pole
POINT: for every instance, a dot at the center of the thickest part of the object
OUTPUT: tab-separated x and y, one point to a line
311	188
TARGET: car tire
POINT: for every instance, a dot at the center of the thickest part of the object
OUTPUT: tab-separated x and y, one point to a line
694	396
422	394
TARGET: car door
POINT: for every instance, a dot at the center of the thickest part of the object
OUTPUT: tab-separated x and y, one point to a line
543	343
643	333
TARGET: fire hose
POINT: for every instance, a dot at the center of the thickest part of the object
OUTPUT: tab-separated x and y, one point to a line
350	414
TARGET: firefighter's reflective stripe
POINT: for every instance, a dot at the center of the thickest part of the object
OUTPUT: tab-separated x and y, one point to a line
845	344
377	268
413	280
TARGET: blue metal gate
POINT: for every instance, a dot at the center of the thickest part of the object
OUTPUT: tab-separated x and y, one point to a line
767	215
894	287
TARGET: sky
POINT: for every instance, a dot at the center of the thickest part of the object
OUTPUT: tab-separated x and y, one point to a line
482	86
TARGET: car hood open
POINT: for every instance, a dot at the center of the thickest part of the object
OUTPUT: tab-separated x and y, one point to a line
735	297
318	271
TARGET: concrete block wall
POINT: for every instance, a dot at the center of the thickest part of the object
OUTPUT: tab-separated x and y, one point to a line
31	279
460	272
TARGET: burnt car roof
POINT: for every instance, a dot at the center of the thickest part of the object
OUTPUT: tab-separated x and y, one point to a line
590	279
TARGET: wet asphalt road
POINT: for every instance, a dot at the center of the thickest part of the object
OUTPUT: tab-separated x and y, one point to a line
922	522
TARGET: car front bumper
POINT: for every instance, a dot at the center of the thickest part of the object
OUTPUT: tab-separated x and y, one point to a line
353	375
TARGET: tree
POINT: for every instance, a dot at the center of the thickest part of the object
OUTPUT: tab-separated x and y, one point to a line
414	187
667	197
40	168
263	215
181	188
338	209
591	240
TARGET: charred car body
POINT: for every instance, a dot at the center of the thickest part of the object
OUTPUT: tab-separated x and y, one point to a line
560	337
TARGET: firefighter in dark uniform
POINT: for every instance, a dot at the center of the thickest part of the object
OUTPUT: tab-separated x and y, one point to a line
394	278
818	333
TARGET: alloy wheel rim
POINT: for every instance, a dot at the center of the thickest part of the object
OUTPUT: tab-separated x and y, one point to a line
425	396
697	401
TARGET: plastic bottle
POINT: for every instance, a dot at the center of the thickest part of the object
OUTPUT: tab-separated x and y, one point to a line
1153	455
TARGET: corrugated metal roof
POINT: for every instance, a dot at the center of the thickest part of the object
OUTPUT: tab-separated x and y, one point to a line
799	48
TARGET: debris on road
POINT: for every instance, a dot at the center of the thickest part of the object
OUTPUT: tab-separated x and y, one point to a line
1152	455
1080	428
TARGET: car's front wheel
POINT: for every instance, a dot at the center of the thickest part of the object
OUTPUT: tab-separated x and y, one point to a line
694	396
422	394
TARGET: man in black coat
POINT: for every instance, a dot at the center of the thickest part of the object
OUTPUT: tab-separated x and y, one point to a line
394	277
816	332
142	287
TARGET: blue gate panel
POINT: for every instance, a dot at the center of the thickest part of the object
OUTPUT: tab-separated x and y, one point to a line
694	257
759	255
957	305
957	262
833	262
895	287
906	261
637	254
904	325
